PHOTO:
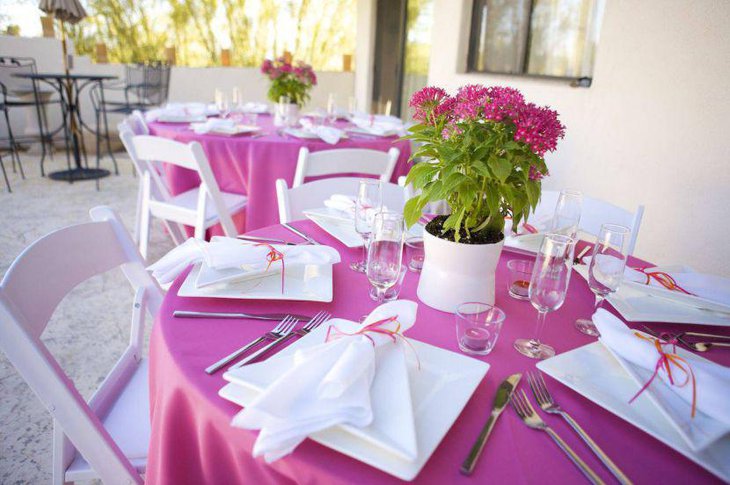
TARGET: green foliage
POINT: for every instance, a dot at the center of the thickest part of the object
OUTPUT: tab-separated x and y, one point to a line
481	172
289	85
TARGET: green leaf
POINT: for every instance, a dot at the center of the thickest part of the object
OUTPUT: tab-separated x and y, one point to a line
500	167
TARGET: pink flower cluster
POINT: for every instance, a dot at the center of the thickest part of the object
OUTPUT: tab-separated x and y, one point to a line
280	67
536	126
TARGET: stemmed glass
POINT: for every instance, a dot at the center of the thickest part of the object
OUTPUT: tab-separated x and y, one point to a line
331	108
606	270
236	101
368	202
221	102
385	252
282	110
566	218
352	106
548	286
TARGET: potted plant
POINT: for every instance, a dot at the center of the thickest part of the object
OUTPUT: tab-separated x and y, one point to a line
292	80
486	147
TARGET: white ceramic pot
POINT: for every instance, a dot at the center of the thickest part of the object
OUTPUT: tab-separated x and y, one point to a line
455	273
290	116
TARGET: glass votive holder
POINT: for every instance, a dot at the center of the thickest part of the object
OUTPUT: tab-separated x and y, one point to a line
520	273
414	253
393	292
477	327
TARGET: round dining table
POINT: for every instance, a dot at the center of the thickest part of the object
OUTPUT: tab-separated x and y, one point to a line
192	440
251	164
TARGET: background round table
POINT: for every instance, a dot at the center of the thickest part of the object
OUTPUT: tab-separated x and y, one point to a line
193	442
250	165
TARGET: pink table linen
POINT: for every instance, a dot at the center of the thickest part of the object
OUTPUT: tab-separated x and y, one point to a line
193	442
250	166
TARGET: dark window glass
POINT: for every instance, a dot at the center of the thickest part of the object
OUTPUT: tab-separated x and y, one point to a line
555	38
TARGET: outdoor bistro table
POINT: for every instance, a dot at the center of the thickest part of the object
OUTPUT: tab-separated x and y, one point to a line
250	165
192	440
69	88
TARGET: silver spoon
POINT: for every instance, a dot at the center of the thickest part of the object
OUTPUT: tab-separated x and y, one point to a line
704	346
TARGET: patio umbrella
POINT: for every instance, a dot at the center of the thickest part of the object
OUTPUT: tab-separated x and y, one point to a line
70	11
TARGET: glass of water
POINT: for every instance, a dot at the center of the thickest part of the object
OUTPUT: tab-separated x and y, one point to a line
606	271
566	219
367	203
477	327
548	287
385	252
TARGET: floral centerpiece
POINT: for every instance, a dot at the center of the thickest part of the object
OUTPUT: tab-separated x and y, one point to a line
487	148
294	80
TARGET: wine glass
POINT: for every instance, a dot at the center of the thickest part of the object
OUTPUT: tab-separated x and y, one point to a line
282	110
385	252
352	106
332	108
236	101
566	218
221	102
606	270
548	286
368	202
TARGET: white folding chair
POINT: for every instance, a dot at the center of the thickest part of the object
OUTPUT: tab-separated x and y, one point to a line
293	202
107	437
594	213
345	161
201	207
135	125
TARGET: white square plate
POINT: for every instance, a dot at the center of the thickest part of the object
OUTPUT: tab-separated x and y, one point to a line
163	118
360	131
594	373
236	130
635	305
301	283
341	229
439	391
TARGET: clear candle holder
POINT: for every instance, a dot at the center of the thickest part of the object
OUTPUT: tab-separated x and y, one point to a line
520	273
477	327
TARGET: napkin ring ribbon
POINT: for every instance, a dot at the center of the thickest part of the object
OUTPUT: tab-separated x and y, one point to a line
664	279
273	256
666	361
375	327
528	227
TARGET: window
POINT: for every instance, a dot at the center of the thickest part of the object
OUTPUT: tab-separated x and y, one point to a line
549	38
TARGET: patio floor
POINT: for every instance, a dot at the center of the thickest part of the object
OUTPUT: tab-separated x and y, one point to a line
96	315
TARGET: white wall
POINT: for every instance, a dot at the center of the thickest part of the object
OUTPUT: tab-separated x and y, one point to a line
652	129
186	83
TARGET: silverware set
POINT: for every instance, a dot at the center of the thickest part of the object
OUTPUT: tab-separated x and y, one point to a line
524	409
299	233
696	346
248	316
244	237
276	336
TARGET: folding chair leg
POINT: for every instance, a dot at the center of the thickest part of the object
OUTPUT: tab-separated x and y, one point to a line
138	218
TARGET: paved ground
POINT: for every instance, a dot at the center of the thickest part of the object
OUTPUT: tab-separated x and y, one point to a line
91	326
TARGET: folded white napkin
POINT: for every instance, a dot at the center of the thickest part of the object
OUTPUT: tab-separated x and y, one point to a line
380	125
178	110
346	204
712	380
712	287
328	134
328	385
254	107
223	253
214	125
536	225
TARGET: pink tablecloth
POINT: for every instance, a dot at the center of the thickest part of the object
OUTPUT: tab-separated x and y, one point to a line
193	442
245	165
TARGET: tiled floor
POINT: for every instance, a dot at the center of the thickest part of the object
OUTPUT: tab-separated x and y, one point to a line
90	327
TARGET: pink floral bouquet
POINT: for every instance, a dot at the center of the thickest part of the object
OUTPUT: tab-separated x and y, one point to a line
293	80
486	147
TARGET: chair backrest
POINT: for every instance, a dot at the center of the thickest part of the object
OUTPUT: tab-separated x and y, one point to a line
311	195
39	278
345	161
159	188
154	149
595	212
137	123
9	67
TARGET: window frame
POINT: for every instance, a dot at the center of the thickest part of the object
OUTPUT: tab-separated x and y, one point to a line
582	81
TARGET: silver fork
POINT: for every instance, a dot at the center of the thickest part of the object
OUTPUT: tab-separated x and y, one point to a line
527	413
274	334
315	322
548	404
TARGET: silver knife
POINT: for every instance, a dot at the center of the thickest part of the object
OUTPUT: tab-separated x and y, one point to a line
251	316
299	233
243	237
501	398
